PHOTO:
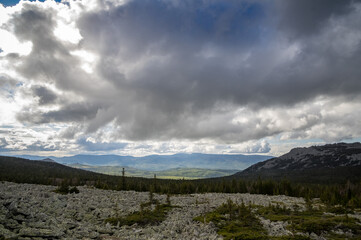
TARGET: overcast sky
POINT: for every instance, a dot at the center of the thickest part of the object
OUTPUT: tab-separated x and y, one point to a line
139	77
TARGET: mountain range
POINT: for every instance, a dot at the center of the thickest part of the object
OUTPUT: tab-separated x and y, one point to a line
331	163
161	162
316	164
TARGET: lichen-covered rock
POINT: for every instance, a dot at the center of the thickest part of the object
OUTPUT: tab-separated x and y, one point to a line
277	228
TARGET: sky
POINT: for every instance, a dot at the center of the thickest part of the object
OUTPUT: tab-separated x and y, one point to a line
141	77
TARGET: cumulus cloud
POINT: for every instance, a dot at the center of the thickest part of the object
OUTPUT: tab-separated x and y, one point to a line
221	72
253	147
41	146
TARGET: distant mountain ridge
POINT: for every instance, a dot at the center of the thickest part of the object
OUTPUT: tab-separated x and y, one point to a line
162	162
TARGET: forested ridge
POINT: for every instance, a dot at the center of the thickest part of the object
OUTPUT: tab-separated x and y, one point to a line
346	192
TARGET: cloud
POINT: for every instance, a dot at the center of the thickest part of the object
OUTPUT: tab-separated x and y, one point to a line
45	95
308	17
41	146
67	113
6	82
253	147
3	142
100	146
221	72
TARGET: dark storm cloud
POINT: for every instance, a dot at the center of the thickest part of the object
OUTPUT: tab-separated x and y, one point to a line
45	95
181	69
307	17
188	75
77	112
182	33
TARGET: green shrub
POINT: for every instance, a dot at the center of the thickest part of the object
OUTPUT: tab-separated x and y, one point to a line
143	217
235	222
62	189
65	189
74	190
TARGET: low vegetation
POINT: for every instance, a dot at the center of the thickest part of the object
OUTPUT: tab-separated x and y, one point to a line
142	217
235	221
151	213
313	220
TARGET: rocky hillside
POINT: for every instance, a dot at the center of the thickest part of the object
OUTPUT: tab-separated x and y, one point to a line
336	162
327	156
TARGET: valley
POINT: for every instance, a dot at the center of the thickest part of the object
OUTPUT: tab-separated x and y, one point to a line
174	173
